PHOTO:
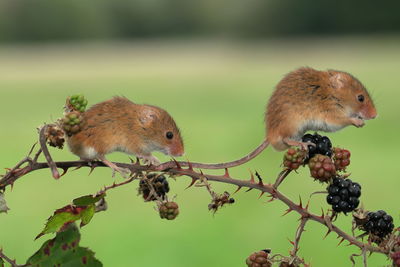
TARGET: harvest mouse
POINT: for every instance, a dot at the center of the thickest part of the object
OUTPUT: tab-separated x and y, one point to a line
121	125
309	100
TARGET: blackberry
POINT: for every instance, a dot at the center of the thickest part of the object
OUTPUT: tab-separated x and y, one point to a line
343	195
294	157
71	123
341	158
379	224
168	210
77	102
323	145
322	168
158	182
259	259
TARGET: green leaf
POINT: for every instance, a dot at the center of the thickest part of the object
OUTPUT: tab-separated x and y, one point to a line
3	204
64	251
88	199
87	214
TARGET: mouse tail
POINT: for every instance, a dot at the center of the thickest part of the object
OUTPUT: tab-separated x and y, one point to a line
224	165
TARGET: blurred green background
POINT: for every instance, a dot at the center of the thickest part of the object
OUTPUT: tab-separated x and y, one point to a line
212	65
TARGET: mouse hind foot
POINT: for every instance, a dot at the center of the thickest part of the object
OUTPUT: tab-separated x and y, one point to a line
125	173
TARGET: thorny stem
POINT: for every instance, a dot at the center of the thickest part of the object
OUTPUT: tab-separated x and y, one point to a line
297	237
265	188
175	169
43	140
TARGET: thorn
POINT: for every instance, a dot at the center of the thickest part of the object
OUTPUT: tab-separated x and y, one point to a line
259	179
272	198
226	175
91	170
177	163
341	241
237	190
251	177
192	183
291	242
132	161
262	193
289	210
137	161
249	190
308	203
327	233
301	203
65	169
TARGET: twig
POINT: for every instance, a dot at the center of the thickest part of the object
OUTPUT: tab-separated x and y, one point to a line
13	263
281	177
297	237
43	140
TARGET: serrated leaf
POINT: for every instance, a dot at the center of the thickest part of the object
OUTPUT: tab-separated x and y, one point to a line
3	204
64	216
87	200
64	251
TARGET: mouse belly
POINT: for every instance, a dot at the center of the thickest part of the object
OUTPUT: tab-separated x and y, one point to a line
318	125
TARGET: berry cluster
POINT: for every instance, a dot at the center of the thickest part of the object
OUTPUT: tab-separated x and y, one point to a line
168	210
294	157
78	102
341	158
158	182
322	168
71	123
378	223
259	259
343	195
323	145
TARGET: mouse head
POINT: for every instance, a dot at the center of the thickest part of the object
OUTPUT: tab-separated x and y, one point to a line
159	131
352	95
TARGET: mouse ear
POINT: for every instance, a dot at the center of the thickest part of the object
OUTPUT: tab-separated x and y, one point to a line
336	79
147	116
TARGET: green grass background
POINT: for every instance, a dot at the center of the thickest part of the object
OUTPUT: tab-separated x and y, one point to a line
216	91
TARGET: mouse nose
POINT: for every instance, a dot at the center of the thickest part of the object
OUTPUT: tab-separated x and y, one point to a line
177	150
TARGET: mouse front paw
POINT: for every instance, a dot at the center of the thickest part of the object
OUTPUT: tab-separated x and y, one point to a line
357	122
149	160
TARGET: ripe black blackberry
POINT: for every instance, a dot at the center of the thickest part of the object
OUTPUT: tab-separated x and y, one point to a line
323	145
378	223
158	182
343	195
259	259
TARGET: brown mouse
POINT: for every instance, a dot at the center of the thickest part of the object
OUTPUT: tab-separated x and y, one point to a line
121	125
309	100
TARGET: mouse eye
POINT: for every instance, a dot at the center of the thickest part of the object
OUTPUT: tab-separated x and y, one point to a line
360	98
169	135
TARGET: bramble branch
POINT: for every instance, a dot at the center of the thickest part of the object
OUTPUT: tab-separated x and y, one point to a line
175	169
